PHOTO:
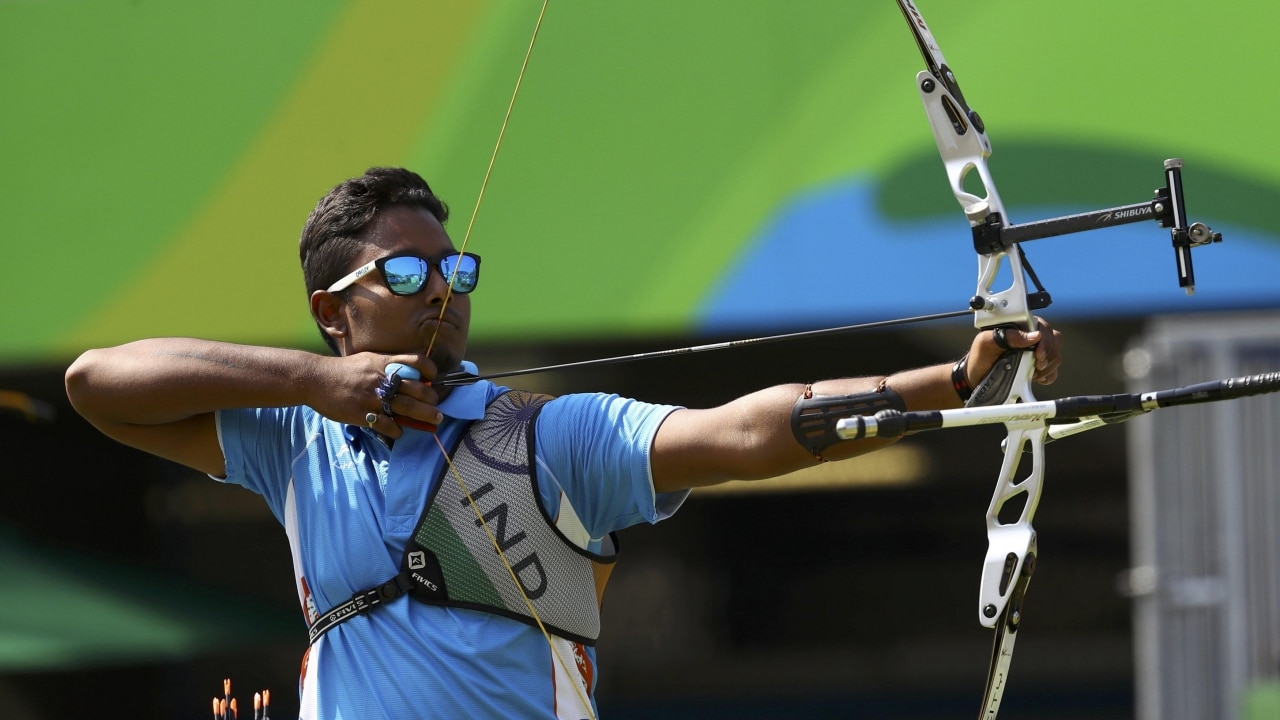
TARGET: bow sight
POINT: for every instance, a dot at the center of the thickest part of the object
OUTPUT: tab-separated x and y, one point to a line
991	234
962	141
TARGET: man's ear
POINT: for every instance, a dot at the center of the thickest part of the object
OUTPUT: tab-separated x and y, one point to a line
326	308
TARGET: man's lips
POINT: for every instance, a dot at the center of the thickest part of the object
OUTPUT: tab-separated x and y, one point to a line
433	322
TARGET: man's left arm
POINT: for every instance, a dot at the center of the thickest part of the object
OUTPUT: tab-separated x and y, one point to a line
751	438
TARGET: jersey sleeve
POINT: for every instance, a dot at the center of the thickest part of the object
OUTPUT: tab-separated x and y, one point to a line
258	448
595	449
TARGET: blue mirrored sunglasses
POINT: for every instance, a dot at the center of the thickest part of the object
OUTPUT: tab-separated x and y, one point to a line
407	274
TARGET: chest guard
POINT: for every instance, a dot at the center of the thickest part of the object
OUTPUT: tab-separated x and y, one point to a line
450	558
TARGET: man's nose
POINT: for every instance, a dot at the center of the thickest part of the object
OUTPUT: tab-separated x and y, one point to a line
437	286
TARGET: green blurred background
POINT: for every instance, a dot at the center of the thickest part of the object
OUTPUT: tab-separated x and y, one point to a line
673	171
159	158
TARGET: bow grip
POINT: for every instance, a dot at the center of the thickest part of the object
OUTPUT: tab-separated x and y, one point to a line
995	386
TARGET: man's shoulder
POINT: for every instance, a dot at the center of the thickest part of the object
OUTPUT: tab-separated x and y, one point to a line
600	412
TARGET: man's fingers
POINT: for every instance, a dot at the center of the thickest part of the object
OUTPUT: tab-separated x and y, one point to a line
1014	339
414	390
415	409
416	424
383	424
1046	341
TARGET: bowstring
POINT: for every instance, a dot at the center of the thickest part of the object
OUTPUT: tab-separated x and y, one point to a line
577	686
453	470
493	158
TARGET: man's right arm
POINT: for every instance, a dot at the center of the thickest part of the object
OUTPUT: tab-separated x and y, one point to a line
160	395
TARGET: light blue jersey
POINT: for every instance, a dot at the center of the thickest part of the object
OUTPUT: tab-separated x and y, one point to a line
349	502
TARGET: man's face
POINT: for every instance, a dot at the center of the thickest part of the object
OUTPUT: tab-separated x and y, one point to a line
382	321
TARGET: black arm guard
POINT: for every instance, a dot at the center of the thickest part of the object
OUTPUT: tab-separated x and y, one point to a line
813	419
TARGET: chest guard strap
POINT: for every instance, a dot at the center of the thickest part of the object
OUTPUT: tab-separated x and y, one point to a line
450	559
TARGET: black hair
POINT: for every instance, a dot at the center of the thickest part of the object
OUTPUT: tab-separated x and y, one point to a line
331	238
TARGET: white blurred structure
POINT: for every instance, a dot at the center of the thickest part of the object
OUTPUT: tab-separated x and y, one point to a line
1205	506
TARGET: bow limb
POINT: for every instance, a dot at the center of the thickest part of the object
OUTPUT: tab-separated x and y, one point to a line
1011	542
963	144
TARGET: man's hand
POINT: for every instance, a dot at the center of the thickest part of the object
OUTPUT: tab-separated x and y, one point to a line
347	391
985	350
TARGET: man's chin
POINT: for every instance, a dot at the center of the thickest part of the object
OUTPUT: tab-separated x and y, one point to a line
445	361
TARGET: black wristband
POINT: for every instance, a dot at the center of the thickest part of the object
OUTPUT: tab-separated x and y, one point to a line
960	379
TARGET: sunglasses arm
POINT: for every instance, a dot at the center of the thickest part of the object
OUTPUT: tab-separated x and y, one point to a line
350	278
